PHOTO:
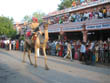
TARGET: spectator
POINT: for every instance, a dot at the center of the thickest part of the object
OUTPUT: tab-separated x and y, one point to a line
53	49
91	15
100	14
96	52
65	49
104	12
17	45
10	45
14	44
108	12
57	48
82	51
60	21
22	45
73	49
69	52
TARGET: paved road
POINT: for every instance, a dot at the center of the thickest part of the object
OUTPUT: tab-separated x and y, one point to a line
12	70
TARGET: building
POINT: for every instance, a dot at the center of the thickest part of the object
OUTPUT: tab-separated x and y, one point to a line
97	27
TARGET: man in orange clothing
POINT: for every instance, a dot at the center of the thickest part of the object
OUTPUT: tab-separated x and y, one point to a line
17	45
74	4
35	23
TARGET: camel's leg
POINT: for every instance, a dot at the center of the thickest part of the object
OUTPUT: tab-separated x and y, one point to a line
24	55
29	53
46	66
38	54
35	57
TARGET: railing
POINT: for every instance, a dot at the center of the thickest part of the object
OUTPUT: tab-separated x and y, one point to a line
95	3
94	24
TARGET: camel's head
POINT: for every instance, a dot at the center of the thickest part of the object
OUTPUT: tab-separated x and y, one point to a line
45	25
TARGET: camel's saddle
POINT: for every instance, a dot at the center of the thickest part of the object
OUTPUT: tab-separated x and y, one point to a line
32	39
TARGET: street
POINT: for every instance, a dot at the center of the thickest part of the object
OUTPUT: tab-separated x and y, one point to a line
12	70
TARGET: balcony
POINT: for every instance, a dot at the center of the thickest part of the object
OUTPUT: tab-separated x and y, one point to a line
94	24
79	7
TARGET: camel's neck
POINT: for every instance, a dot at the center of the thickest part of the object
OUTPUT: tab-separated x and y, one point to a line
46	34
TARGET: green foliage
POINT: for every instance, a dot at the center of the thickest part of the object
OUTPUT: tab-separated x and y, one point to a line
27	18
65	4
6	27
39	16
12	33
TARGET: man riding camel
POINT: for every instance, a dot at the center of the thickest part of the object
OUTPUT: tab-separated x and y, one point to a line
37	41
32	29
32	33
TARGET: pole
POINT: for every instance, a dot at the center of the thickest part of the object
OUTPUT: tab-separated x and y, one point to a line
84	31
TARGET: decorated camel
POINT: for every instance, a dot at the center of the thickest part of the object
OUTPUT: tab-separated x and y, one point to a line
41	42
37	41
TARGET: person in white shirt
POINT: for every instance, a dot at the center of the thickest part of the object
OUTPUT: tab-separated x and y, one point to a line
14	44
82	51
6	44
92	46
100	15
21	45
10	45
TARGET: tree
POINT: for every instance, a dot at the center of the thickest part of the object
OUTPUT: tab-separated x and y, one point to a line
65	4
6	27
27	18
39	16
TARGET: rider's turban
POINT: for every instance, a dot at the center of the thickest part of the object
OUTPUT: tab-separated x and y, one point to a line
35	19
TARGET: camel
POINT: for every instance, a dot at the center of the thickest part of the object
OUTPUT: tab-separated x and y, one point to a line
40	42
43	44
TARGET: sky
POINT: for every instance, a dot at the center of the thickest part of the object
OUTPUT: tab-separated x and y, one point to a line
19	8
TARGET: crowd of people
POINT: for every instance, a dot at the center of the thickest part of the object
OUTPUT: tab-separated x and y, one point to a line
12	44
97	13
90	52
